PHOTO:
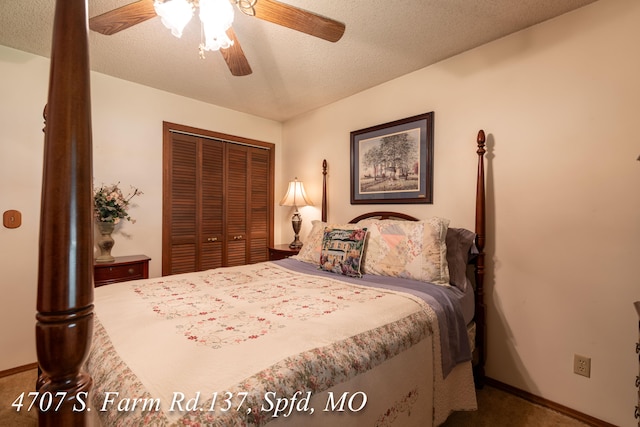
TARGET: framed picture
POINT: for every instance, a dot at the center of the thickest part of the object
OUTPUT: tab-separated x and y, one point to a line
393	162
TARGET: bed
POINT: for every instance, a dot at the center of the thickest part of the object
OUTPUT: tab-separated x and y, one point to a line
225	347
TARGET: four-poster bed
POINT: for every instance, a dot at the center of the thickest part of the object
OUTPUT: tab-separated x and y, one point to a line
65	284
361	349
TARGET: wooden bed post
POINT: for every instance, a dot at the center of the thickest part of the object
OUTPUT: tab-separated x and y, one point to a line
324	190
479	267
65	277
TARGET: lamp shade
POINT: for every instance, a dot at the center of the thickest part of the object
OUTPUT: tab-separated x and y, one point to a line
175	14
296	196
216	17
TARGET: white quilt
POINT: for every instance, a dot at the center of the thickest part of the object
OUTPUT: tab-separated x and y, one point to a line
233	346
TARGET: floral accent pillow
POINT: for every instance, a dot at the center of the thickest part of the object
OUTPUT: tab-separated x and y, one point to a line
410	249
342	250
312	243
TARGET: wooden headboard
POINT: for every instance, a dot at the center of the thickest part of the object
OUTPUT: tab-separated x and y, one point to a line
383	215
64	326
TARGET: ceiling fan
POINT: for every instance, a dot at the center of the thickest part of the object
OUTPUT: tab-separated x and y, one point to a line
223	37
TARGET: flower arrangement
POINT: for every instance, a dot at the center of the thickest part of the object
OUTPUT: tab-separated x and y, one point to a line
110	205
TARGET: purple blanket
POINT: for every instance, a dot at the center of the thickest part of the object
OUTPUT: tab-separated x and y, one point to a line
453	332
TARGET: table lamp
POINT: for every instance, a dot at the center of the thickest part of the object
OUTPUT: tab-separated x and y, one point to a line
296	197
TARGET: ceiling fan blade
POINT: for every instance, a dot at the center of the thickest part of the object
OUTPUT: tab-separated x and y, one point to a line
123	17
299	20
234	56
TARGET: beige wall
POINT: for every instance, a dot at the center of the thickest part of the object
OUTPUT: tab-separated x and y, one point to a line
127	137
560	103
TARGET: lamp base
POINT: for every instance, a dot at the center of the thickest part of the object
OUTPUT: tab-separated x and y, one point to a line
296	244
296	223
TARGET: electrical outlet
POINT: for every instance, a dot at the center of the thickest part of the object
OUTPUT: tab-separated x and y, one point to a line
582	365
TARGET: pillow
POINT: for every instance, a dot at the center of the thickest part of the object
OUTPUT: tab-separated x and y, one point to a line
410	249
342	250
459	244
312	244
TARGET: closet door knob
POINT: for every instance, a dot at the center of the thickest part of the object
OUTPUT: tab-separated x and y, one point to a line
237	237
212	239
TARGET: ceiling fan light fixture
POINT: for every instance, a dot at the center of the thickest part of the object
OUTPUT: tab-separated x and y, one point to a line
175	14
216	17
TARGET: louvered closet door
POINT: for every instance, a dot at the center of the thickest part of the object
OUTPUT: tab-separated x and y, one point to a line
183	200
260	214
196	204
248	213
211	222
236	206
217	201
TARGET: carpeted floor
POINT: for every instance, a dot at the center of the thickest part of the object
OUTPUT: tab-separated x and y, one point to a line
10	388
496	408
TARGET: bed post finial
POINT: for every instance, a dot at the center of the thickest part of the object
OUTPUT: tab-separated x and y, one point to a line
479	267
64	316
324	190
481	142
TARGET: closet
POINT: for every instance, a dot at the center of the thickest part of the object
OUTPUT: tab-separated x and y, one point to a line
217	200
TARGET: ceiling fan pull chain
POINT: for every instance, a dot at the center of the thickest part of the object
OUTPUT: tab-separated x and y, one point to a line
246	6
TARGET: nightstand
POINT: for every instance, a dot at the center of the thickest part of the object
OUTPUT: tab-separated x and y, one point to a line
124	268
277	252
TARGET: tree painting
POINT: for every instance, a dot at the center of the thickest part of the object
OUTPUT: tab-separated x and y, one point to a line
390	163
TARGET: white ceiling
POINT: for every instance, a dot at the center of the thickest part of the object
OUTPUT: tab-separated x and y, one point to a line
292	72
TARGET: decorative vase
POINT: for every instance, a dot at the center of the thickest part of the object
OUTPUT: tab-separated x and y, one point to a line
105	243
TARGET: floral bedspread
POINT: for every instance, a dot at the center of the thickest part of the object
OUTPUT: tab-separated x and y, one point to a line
206	348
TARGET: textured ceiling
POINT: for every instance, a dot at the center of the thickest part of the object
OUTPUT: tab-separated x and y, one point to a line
292	72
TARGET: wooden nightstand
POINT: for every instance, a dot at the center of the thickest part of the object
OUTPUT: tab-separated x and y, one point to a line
277	252
124	268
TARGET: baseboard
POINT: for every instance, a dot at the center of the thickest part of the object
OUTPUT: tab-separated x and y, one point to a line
19	369
587	419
